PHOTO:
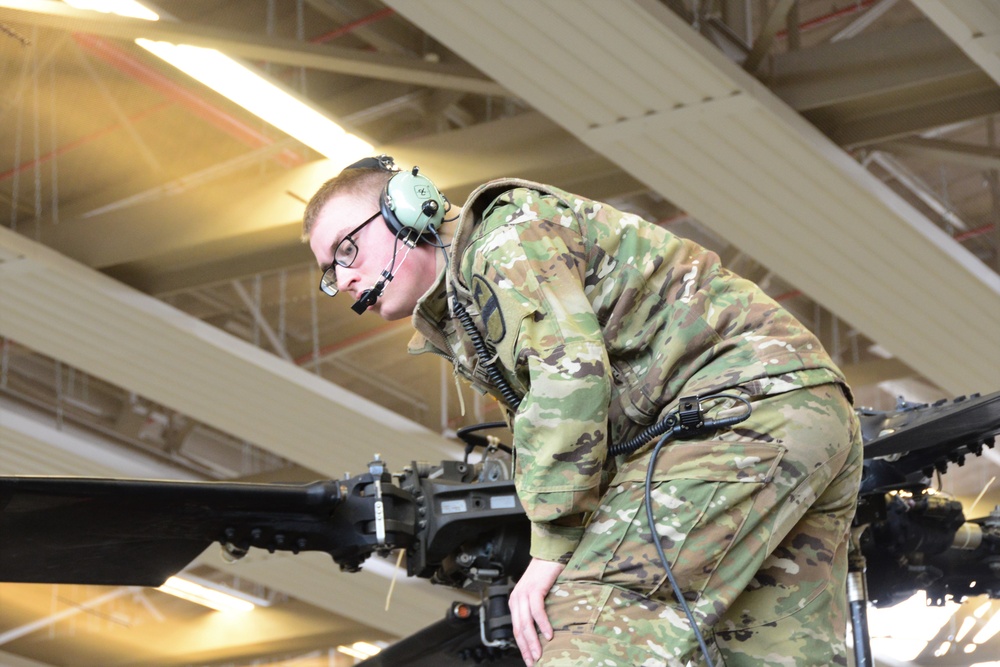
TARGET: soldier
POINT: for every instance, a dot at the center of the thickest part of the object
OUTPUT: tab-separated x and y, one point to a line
596	322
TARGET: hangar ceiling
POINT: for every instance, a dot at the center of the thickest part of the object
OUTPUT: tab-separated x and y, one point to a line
159	314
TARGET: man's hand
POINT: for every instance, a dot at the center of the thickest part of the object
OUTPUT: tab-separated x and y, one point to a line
527	607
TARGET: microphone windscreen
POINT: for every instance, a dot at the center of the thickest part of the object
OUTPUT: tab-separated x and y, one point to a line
366	299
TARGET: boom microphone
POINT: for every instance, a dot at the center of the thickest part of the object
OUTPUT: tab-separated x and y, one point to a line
370	296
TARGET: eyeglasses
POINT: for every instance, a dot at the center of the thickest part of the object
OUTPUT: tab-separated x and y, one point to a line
343	255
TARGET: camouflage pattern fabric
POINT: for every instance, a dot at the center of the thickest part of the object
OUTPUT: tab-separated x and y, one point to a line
754	524
600	320
605	319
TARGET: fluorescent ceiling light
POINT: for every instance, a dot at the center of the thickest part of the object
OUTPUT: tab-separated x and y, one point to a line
119	7
360	650
210	594
988	631
266	99
968	623
904	629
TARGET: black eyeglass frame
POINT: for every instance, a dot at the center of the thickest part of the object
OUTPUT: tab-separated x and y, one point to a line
328	281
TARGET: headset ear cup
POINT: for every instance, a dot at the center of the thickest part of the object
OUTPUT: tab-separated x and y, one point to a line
412	206
385	206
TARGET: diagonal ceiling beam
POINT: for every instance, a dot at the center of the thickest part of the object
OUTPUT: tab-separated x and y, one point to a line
767	34
67	311
413	71
674	112
923	81
163	243
865	21
974	25
384	35
977	157
10	660
911	56
971	100
31	443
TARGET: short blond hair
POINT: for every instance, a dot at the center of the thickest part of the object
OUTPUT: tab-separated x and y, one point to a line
356	181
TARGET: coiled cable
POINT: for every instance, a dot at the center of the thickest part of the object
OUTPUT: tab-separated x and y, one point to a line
486	355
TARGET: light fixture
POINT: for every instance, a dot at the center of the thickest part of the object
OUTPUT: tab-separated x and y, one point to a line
359	650
904	629
268	100
968	623
988	631
211	594
120	7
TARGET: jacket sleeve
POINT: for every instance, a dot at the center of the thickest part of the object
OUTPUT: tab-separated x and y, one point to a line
552	346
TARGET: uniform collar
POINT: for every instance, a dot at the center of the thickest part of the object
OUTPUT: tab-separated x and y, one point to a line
432	308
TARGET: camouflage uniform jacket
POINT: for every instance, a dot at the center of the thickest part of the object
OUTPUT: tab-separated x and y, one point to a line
600	321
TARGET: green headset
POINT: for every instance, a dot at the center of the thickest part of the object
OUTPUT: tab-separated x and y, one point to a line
410	203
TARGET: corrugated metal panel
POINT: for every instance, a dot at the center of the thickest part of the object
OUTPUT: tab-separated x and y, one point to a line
31	444
314	578
65	310
23	454
11	660
558	54
637	84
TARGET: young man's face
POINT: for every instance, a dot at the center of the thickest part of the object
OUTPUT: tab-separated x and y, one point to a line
375	243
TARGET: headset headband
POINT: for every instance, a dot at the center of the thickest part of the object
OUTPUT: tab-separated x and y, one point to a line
410	203
381	162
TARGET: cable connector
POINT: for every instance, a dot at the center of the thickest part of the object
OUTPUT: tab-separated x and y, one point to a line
689	414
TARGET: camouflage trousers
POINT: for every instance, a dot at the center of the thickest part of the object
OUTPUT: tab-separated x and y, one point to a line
755	526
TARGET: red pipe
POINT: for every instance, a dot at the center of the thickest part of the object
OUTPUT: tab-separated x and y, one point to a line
978	231
788	295
164	85
820	21
351	27
220	119
65	148
240	130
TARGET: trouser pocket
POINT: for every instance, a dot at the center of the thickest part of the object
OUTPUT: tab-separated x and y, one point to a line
704	496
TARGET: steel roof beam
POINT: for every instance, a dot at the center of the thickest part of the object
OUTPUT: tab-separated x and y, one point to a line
909	56
67	311
352	62
10	660
922	81
673	111
977	157
974	25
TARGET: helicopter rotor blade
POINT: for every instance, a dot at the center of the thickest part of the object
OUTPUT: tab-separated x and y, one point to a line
140	532
943	427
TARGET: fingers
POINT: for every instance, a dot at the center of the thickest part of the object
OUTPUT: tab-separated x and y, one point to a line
524	617
527	608
537	606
